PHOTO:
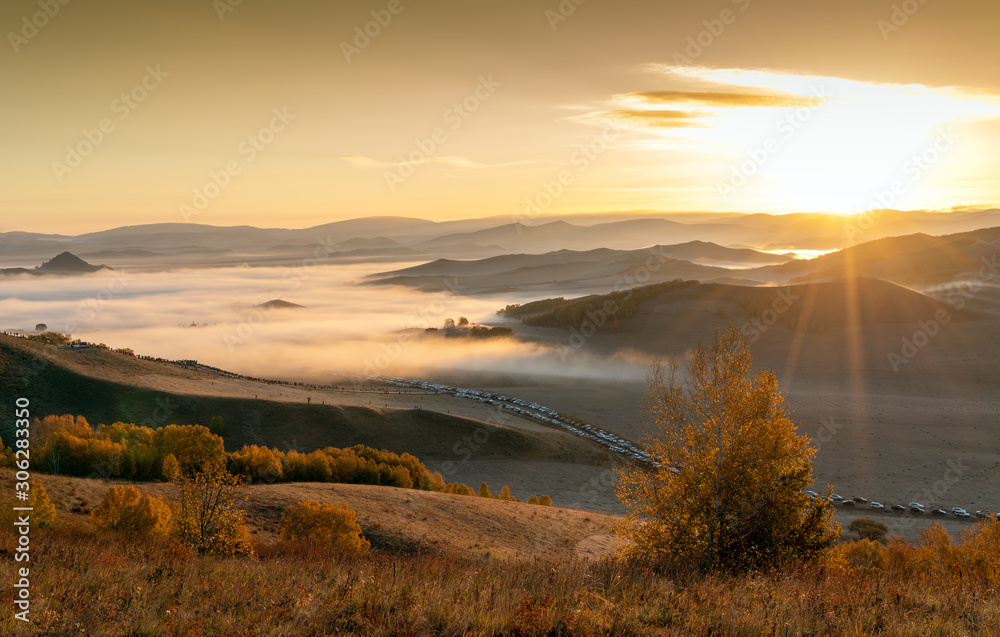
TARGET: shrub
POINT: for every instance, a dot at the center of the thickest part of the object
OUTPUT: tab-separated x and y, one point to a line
216	426
505	494
459	488
125	510
323	525
868	529
43	514
484	491
545	501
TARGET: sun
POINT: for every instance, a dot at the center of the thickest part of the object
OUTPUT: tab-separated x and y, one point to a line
793	143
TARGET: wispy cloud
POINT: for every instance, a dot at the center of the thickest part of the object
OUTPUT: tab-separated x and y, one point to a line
657	118
708	98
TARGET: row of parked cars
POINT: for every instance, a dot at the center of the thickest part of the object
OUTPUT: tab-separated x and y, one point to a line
915	507
525	408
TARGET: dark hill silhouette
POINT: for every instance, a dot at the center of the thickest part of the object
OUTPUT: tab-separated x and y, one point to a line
810	307
916	259
280	304
64	263
68	262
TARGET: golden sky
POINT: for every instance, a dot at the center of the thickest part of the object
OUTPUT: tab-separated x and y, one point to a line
233	112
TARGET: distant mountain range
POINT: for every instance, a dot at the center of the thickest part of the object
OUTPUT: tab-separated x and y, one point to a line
386	239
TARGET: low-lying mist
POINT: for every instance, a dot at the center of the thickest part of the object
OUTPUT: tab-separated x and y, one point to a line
215	316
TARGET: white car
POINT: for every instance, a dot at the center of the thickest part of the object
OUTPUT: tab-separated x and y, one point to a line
836	498
876	505
916	506
963	514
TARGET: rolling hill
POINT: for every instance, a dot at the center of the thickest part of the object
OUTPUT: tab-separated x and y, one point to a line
105	387
915	259
404	521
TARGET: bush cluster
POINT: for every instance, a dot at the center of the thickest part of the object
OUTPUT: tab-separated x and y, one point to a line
71	446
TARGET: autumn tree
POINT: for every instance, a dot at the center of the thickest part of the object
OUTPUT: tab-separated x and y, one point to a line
43	511
505	494
484	491
323	525
192	445
42	514
210	519
171	468
727	477
125	510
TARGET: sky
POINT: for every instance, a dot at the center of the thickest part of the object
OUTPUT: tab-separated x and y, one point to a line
293	114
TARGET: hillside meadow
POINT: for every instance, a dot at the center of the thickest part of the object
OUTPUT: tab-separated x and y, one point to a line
443	564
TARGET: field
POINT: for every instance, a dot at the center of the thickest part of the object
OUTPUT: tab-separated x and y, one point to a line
449	565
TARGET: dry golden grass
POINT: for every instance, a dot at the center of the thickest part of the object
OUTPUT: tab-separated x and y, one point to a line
90	585
422	578
400	520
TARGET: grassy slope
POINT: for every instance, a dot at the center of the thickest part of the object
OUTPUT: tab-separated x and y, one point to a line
104	585
817	306
398	520
93	384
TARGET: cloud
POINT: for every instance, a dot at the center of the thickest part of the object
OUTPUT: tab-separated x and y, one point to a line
656	118
726	100
342	328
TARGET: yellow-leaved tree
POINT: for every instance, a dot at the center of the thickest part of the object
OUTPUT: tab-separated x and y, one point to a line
727	472
210	519
323	525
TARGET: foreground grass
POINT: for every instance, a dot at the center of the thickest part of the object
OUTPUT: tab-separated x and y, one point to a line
102	585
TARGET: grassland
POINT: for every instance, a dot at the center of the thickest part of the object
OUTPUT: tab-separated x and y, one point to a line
85	584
